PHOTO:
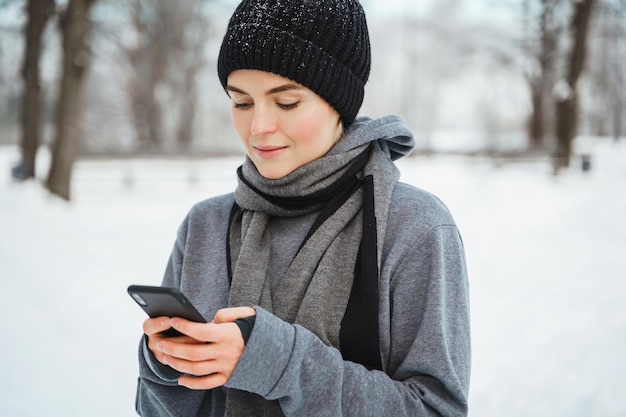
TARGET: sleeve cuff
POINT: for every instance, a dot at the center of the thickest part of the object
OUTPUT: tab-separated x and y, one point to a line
245	326
266	355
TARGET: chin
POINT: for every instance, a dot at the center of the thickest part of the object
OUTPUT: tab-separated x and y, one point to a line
273	173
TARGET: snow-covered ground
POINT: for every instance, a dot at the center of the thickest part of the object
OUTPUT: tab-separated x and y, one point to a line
546	254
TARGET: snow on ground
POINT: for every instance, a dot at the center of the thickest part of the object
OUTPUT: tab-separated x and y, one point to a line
546	254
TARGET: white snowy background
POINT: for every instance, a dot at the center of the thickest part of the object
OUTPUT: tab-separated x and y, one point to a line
546	254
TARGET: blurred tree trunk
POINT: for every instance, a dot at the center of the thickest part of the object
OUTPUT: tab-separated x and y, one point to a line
542	81
619	67
188	106
39	12
536	125
165	61
190	36
566	94
75	26
147	60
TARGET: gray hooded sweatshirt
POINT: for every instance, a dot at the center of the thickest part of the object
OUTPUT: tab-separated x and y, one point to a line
423	313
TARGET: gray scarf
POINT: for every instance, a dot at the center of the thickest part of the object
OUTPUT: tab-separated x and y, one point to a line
317	285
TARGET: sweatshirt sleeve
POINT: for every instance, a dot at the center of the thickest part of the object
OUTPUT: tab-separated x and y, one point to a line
192	267
158	392
428	362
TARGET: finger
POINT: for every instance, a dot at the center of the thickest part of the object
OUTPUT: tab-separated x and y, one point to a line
154	328
227	315
219	341
205	358
202	360
153	341
195	368
203	383
202	332
158	344
156	325
197	352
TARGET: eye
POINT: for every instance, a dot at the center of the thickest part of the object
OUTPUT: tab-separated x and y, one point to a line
288	106
242	106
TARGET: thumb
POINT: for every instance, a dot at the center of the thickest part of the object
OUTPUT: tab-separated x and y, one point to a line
228	315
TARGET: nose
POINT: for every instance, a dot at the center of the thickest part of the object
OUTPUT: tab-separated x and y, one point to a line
263	121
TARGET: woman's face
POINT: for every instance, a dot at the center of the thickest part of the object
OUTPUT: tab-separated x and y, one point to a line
282	124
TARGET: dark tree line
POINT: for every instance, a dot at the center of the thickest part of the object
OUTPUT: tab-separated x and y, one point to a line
158	52
162	66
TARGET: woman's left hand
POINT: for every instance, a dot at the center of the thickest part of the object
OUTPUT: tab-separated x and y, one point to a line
212	354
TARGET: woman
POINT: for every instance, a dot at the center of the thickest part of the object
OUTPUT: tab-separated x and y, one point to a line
335	289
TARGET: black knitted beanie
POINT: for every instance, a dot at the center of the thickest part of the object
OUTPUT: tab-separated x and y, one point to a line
321	44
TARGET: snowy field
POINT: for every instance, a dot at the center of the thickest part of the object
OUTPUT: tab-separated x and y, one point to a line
546	254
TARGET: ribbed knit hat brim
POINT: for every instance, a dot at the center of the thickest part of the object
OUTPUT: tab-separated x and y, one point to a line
323	45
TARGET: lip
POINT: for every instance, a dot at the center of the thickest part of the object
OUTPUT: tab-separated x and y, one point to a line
269	152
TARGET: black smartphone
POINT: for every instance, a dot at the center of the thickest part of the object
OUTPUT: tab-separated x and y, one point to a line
165	301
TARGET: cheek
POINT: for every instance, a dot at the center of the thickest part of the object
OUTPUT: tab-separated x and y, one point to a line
315	128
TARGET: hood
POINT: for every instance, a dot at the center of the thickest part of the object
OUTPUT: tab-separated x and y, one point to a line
393	137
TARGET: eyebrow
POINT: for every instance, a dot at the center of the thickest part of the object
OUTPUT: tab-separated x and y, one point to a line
279	89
